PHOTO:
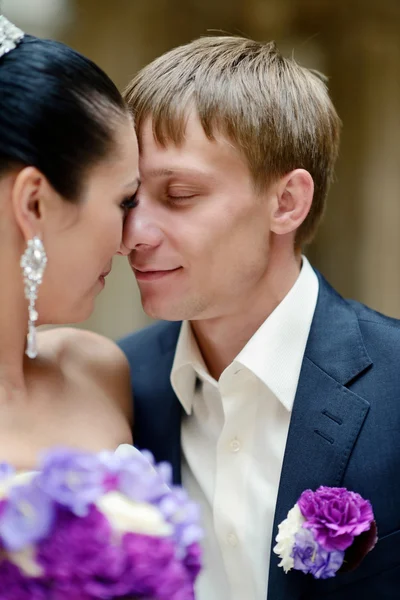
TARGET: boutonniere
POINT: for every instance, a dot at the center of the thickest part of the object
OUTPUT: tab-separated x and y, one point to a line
328	530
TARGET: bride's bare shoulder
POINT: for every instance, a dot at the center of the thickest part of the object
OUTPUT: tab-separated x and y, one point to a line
70	343
91	356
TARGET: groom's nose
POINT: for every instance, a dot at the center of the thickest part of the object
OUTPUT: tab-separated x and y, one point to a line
141	231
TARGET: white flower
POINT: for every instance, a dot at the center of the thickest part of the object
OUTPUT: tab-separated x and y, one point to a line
126	451
128	516
25	560
285	538
14	479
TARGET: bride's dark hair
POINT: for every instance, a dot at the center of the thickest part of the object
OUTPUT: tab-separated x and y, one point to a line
57	112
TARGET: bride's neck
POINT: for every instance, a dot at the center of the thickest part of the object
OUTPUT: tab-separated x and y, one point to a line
13	325
13	306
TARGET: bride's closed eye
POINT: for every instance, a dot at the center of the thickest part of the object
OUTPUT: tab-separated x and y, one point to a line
129	203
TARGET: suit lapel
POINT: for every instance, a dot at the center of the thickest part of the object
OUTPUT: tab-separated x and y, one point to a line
158	410
326	419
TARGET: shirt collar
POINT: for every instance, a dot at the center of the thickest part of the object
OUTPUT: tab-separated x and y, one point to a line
274	354
187	366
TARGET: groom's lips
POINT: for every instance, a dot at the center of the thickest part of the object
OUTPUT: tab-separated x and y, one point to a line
153	274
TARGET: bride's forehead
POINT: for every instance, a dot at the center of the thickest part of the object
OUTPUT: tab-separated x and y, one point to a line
120	165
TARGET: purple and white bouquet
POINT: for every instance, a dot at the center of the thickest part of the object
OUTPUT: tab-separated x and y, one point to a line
88	526
328	530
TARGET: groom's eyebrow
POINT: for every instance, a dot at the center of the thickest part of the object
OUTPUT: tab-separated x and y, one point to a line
177	171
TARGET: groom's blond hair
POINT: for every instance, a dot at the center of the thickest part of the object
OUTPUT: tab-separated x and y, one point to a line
277	113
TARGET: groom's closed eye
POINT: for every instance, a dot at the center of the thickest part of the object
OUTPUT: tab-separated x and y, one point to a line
177	194
180	194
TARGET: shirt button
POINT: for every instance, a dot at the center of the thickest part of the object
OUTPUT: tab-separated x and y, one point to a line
235	445
232	539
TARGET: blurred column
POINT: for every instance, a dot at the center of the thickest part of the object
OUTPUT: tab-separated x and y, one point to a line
379	261
358	246
124	35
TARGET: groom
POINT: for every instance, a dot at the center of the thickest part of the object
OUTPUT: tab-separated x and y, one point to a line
260	381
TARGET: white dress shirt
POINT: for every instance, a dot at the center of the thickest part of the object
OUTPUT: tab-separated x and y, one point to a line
233	441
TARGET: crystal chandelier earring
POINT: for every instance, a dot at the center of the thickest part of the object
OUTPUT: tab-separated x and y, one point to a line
33	264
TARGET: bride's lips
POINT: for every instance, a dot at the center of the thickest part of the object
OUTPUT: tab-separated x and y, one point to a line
153	274
103	276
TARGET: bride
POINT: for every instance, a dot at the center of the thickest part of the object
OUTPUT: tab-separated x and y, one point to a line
68	176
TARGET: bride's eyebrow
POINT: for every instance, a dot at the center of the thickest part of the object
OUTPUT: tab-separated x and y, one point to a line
133	184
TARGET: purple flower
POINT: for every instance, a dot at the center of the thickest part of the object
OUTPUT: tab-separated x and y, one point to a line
26	518
6	471
310	557
76	547
192	560
79	554
362	544
134	474
138	477
335	516
83	561
154	569
72	478
15	586
184	516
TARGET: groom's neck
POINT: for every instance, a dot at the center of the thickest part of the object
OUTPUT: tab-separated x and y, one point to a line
221	339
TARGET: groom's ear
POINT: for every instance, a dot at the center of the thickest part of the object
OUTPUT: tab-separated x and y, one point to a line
30	194
292	201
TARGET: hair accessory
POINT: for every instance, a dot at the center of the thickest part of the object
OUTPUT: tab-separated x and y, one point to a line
10	36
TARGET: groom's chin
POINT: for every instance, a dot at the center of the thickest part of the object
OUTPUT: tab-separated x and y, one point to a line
161	313
167	309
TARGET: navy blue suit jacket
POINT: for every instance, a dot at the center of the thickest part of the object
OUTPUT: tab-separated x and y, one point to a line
344	431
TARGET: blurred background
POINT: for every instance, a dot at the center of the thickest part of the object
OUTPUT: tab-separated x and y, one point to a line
355	42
